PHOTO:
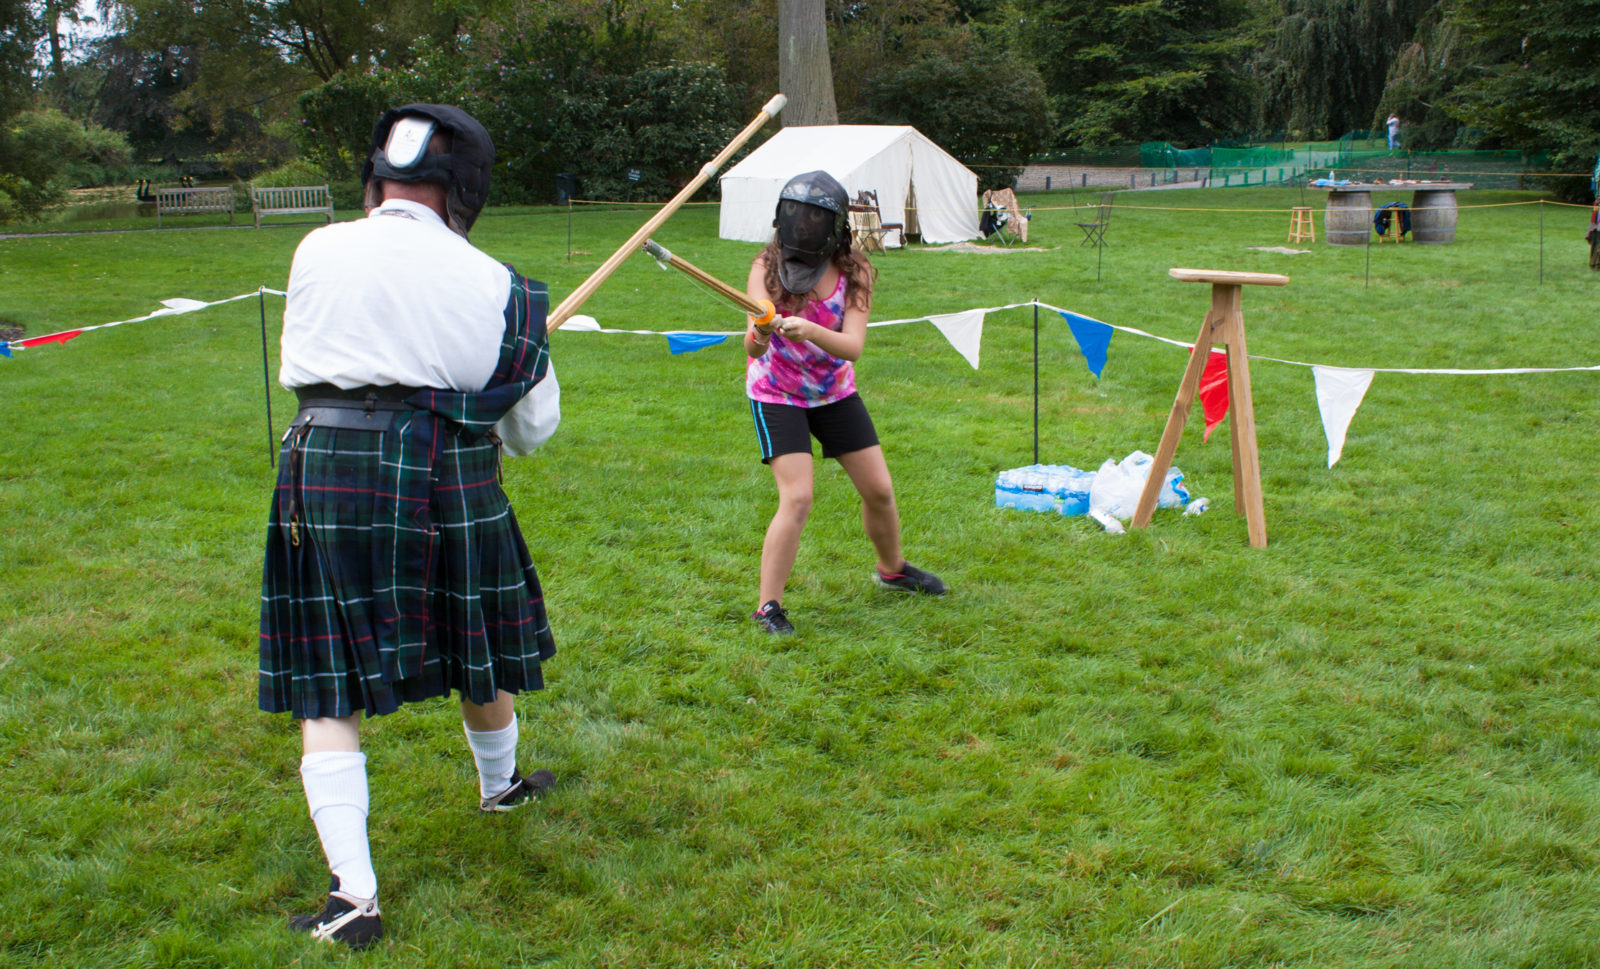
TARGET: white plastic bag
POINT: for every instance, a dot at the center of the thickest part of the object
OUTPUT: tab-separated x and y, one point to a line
1117	486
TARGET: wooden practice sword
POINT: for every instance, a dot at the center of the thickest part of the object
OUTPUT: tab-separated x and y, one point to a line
760	310
585	289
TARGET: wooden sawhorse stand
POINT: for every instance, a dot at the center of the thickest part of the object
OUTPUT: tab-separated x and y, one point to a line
1224	324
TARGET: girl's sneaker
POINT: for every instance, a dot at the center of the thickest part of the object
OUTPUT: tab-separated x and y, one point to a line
772	619
910	579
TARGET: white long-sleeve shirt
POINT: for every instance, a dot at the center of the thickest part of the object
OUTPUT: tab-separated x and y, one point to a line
397	298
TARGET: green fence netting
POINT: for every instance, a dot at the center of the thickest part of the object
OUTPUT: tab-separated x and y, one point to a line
1162	154
1357	158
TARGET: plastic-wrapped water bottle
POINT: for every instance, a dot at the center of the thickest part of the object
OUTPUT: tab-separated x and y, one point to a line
1173	493
1059	488
1024	488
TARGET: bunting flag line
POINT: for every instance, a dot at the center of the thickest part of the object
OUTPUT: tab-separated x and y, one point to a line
964	330
169	307
1339	390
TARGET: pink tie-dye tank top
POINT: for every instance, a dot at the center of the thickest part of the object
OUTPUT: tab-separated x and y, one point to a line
803	374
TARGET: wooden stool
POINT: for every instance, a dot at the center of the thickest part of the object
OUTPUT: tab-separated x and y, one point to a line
1301	225
1393	233
1224	324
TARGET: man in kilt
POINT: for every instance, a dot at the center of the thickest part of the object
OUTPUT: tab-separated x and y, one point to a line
395	570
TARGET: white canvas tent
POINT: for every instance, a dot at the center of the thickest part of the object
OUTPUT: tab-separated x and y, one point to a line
918	183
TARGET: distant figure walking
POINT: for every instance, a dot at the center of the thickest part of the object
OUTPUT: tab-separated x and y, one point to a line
1394	132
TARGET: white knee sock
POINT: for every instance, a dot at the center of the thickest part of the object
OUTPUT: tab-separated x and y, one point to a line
336	793
495	752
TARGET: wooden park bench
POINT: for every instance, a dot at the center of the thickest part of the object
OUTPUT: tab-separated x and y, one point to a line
194	201
291	200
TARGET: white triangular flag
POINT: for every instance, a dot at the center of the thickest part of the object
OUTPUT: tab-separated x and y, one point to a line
180	305
1339	393
581	322
964	331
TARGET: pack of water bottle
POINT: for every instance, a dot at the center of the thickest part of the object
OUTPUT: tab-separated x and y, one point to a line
1059	488
1066	490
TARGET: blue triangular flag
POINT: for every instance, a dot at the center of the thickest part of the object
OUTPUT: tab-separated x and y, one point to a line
1093	338
5	348
690	342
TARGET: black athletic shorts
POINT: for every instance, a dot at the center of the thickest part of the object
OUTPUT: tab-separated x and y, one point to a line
841	427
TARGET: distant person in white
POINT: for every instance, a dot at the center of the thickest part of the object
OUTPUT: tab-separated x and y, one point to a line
395	570
1394	132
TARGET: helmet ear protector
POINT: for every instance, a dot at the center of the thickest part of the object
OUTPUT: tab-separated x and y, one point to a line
408	142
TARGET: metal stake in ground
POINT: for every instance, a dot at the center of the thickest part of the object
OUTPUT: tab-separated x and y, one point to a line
266	378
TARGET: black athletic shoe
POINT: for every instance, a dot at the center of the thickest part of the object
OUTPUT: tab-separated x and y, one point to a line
353	921
521	791
772	619
910	579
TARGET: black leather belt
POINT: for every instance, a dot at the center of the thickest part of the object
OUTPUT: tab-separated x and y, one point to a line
392	393
357	408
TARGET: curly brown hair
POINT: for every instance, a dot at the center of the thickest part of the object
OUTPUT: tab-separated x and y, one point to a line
849	260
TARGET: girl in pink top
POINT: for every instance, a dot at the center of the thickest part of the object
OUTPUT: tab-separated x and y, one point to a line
801	384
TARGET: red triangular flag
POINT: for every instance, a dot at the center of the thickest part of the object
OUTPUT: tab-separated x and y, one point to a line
1214	391
62	337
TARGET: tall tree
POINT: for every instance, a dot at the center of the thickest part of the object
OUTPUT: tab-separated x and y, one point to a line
867	39
984	106
1536	78
1137	70
805	74
1324	63
19	31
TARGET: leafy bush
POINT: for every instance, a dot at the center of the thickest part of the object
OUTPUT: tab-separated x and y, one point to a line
554	97
297	172
346	192
665	120
43	153
336	122
987	109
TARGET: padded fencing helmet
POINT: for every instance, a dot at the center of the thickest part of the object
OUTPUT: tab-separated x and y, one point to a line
399	153
813	222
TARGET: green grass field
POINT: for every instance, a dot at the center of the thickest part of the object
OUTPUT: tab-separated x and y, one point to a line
1374	742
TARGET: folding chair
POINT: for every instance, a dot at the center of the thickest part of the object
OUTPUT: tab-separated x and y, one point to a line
1003	218
866	222
1094	233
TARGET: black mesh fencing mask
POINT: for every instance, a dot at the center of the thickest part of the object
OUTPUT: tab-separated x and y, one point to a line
812	222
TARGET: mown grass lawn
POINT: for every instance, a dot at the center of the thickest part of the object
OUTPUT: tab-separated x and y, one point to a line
1373	743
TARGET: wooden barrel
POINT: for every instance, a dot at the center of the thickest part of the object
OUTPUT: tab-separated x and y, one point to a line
1433	216
1348	218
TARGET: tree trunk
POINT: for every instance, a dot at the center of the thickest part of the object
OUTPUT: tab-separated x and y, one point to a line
804	74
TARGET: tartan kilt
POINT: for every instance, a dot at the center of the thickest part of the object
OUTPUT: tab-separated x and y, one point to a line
322	648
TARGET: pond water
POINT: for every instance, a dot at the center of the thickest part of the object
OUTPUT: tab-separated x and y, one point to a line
102	211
